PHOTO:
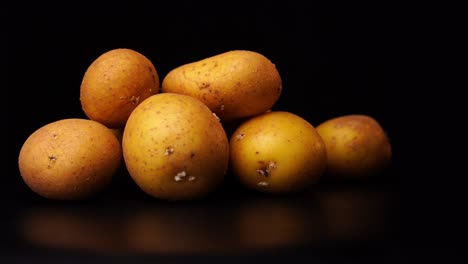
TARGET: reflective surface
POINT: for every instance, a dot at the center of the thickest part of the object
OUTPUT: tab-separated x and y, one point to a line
231	222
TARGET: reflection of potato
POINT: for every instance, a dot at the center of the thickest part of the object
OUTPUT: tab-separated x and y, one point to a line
277	152
70	159
70	229
175	148
269	224
234	84
357	146
354	213
115	83
177	231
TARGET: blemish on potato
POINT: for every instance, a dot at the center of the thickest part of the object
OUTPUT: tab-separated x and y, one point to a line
169	151
240	136
52	160
271	165
180	176
153	76
263	172
204	85
263	184
217	117
135	99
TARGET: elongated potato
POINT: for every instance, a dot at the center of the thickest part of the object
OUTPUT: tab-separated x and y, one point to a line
234	84
174	147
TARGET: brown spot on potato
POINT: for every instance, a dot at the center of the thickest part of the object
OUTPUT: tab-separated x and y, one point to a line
266	169
52	160
204	85
169	150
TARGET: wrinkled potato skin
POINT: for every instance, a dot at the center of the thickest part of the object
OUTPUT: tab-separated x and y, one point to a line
357	146
168	134
277	152
115	83
234	84
69	159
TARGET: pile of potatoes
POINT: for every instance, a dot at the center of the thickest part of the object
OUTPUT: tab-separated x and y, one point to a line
173	138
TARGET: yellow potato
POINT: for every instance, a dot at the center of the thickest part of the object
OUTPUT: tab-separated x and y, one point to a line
234	84
69	159
277	152
357	146
174	147
115	83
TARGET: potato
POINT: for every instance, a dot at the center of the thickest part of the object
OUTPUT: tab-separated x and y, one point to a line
115	83
277	152
234	84
69	159
174	147
357	146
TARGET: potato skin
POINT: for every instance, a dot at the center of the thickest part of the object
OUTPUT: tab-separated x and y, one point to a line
357	146
175	148
69	159
115	83
277	152
234	84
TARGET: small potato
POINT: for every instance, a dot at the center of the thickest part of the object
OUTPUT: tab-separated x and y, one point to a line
235	84
115	83
357	146
69	159
277	152
174	147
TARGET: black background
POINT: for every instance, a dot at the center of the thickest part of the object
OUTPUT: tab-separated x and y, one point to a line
333	60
